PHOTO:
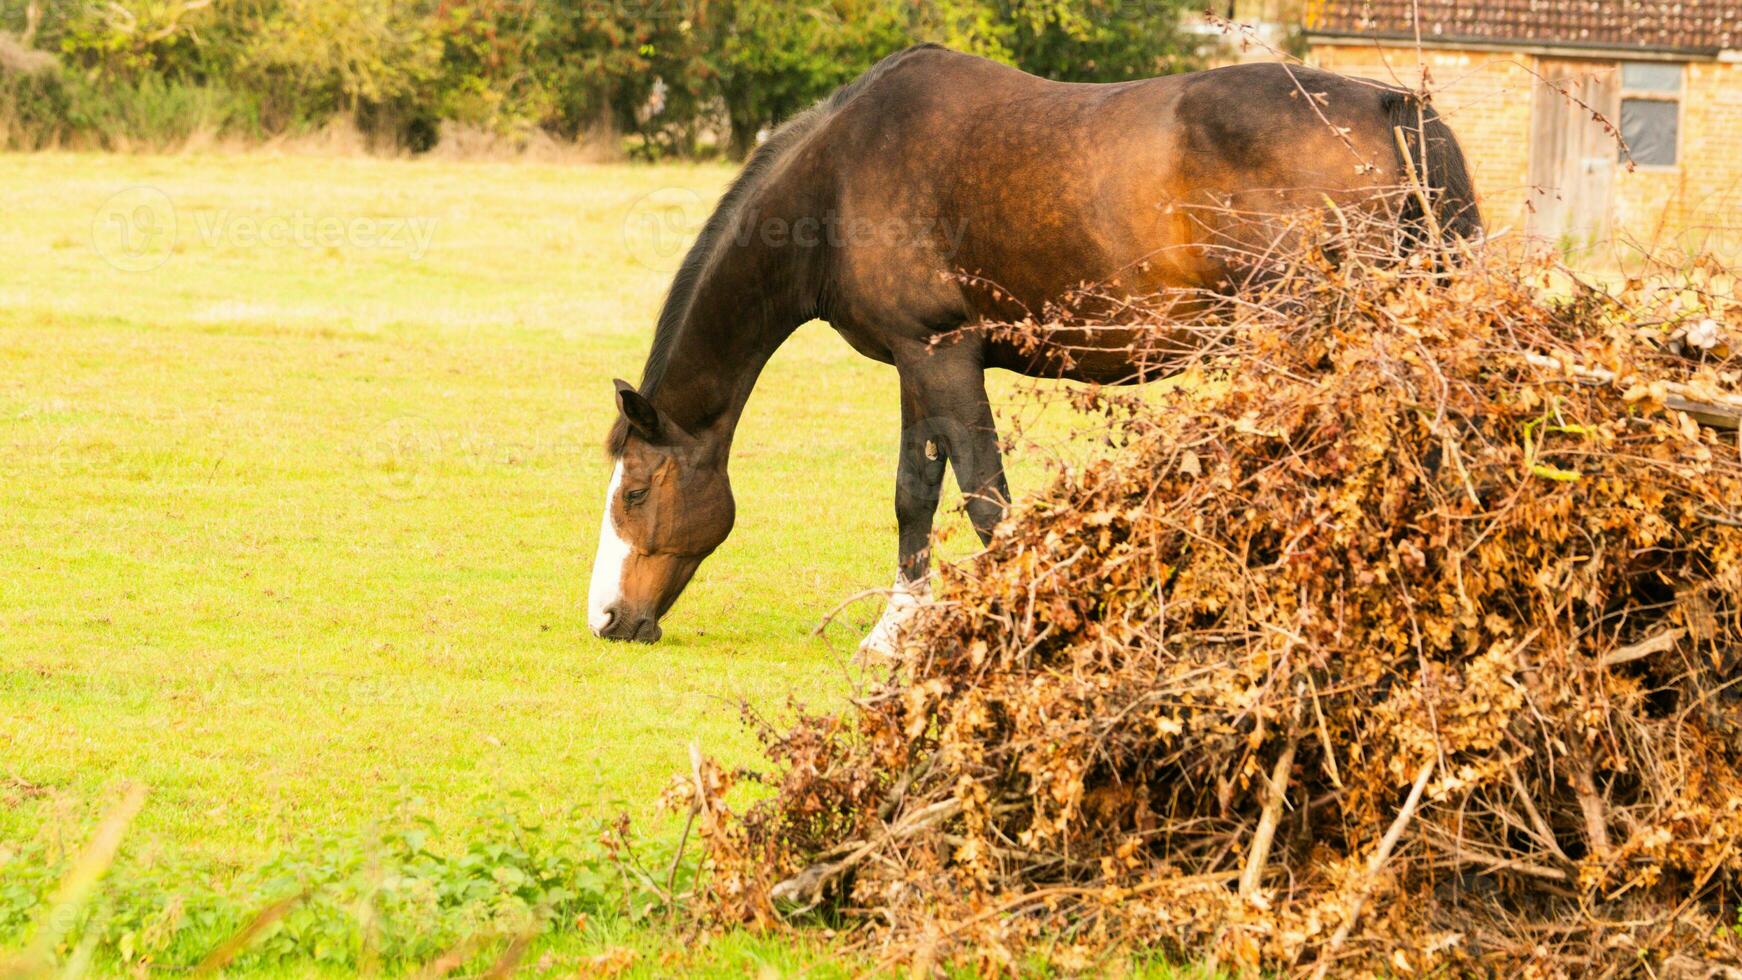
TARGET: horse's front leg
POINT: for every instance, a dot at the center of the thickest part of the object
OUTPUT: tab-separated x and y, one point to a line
945	416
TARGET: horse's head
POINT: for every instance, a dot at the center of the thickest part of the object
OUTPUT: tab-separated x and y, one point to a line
668	507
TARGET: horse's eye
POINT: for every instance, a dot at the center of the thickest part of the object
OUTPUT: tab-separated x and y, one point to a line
635	496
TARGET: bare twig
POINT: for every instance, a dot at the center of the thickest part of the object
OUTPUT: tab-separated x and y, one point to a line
452	958
1590	804
1375	864
697	805
62	908
1420	192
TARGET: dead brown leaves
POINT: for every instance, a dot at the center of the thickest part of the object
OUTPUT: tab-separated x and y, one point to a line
1425	586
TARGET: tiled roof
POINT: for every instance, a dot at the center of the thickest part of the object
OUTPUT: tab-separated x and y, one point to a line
1660	25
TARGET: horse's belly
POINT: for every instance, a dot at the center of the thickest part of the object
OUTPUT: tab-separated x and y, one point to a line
1109	355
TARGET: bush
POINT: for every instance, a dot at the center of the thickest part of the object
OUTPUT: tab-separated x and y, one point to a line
55	109
155	111
493	70
33	110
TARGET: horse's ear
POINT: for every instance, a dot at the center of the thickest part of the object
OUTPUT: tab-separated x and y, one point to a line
642	417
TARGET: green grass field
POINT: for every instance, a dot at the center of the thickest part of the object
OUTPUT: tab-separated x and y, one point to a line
297	511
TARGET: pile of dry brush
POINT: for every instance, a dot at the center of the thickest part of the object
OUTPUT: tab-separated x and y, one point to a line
1403	636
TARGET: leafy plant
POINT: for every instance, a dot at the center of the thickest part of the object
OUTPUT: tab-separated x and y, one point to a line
389	895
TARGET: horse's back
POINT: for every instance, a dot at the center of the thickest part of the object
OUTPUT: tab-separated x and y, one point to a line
1224	126
1022	189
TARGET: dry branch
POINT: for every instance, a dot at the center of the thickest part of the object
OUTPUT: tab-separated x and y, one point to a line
1657	643
1253	876
1717	411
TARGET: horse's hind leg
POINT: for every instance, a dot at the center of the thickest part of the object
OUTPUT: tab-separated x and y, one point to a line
919	481
945	416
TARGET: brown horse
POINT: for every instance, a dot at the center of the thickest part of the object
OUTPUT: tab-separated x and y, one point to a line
881	208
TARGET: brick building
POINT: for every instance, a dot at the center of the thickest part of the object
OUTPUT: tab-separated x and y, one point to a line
1520	81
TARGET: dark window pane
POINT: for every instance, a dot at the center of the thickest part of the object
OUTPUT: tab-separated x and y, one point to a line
1649	127
1651	76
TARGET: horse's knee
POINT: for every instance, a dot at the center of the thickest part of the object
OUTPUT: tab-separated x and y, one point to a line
919	478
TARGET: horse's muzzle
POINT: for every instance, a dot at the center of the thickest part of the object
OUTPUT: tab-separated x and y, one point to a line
618	625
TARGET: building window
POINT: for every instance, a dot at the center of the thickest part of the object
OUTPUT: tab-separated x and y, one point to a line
1651	93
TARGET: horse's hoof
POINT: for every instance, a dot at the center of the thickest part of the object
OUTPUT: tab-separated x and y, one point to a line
884	640
877	647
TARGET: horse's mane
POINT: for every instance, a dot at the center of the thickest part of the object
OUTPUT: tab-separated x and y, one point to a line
718	227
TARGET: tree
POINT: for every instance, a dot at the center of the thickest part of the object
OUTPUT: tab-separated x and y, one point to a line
608	59
1069	40
125	39
774	58
495	71
374	58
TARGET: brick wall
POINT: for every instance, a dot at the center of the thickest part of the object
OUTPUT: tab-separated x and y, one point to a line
1487	99
1699	201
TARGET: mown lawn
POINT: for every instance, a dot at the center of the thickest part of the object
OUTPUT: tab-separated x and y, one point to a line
297	511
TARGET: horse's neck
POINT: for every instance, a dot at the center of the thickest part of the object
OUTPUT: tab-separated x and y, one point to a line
748	302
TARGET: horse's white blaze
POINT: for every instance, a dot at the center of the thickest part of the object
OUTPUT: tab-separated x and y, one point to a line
613	554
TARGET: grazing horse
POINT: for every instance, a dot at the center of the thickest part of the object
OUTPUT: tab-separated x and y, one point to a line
882	208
